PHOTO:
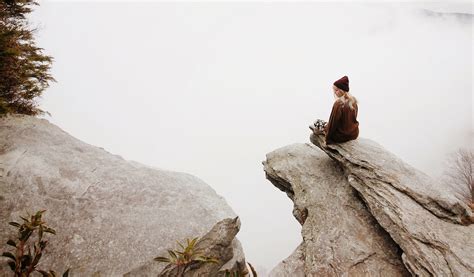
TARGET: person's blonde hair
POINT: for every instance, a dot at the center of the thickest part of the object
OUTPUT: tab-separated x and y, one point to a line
346	98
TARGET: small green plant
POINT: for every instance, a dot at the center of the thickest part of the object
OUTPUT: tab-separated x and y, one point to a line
24	261
183	259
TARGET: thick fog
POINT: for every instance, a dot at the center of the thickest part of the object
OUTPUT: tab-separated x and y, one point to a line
210	88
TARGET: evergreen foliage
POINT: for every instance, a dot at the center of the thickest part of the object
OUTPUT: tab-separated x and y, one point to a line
24	69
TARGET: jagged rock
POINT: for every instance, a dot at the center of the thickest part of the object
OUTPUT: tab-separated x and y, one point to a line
291	266
111	215
424	218
340	236
217	243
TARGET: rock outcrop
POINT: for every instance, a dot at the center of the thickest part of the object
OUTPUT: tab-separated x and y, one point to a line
432	227
111	215
291	266
340	236
364	212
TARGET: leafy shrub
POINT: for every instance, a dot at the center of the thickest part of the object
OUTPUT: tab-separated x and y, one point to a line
24	261
183	259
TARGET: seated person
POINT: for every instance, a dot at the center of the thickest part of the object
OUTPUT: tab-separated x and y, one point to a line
342	125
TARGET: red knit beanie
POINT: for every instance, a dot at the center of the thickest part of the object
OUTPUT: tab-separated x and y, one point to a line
342	83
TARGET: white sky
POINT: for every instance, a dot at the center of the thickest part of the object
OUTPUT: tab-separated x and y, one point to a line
210	88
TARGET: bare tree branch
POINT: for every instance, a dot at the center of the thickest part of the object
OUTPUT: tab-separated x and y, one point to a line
460	174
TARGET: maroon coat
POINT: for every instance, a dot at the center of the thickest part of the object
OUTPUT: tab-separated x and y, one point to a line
342	125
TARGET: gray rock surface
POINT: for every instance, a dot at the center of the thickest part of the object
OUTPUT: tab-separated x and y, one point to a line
424	218
340	236
217	243
291	266
111	215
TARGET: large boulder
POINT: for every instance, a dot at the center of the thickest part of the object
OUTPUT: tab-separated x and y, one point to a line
340	236
111	215
432	227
